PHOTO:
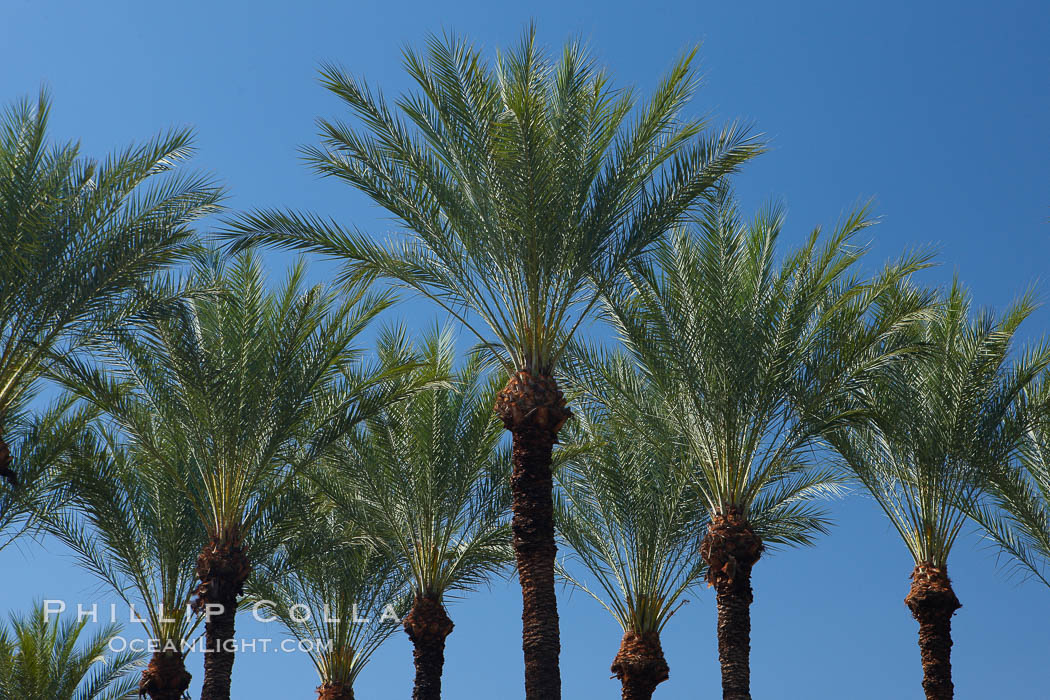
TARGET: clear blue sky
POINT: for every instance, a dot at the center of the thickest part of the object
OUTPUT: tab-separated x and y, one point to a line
939	113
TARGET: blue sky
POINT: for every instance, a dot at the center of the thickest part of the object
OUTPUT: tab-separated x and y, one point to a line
938	114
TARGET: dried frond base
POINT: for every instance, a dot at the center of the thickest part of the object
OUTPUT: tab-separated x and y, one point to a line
530	402
335	691
427	622
222	570
640	665
166	677
730	548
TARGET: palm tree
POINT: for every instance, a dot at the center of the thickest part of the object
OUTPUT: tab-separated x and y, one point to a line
127	529
750	352
46	659
523	189
337	595
940	423
629	510
77	239
248	387
427	480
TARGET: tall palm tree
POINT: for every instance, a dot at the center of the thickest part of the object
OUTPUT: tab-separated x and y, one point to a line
522	188
750	352
427	480
77	240
629	510
44	658
1016	516
248	387
128	528
337	595
940	423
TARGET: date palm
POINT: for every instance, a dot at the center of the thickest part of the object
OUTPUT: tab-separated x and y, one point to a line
45	658
629	511
77	239
427	480
522	189
235	393
750	351
337	595
940	423
127	526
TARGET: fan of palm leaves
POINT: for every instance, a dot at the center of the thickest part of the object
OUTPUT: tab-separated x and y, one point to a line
130	527
78	238
428	478
944	421
48	659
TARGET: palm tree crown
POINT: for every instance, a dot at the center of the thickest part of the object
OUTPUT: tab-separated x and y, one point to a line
46	659
127	524
77	240
629	510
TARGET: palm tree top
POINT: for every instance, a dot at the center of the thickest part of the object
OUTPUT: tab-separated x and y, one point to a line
945	420
235	391
628	508
748	351
78	238
427	477
523	187
49	659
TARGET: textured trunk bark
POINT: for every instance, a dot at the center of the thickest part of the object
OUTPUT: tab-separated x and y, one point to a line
428	625
533	409
335	691
6	472
730	549
640	665
222	570
932	603
166	677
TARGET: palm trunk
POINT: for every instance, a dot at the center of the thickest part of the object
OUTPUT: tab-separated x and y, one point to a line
166	677
932	602
6	472
428	625
640	665
730	549
222	569
335	691
533	409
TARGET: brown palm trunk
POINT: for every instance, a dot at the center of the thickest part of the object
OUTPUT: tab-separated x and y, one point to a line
730	549
166	677
222	569
335	691
428	625
640	665
533	410
932	602
6	472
